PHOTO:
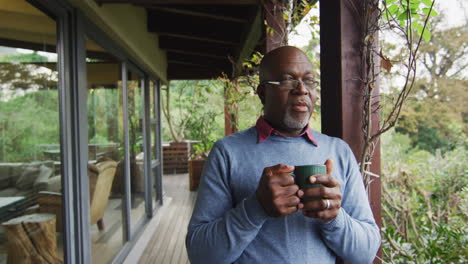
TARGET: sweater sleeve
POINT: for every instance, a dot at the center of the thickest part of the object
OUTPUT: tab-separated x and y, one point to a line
353	234
219	231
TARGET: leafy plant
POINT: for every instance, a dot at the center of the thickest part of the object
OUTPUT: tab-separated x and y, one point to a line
424	203
201	127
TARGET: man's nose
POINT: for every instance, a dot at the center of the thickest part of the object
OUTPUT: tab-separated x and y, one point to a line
300	89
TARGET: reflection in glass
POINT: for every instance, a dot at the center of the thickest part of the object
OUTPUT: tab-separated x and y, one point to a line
135	126
105	152
30	170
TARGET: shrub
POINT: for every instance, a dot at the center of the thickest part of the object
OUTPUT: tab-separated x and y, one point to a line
424	203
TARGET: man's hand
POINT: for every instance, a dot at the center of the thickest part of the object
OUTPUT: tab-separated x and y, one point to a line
327	208
277	193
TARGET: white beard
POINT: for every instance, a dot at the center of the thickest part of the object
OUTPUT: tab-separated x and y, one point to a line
293	123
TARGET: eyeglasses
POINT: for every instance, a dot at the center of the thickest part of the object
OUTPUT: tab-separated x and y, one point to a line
292	84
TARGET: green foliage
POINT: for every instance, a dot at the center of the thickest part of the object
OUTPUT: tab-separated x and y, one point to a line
410	15
17	77
32	120
103	116
424	203
197	108
249	108
299	9
202	128
435	116
23	58
27	121
28	108
135	117
440	246
184	99
431	129
200	125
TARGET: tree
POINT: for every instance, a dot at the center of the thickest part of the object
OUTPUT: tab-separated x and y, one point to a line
22	73
424	174
181	99
28	106
436	116
444	56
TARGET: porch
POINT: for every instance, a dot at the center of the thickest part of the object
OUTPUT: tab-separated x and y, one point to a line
104	86
166	244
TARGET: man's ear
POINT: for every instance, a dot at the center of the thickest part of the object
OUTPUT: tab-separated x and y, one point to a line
261	93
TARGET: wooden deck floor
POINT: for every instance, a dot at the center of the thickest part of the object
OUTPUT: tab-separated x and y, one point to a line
167	245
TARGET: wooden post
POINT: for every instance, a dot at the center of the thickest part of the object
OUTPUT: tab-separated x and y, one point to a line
230	108
276	32
342	92
32	240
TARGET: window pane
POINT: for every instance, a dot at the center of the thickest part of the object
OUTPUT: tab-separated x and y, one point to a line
105	152
154	144
30	160
135	126
152	121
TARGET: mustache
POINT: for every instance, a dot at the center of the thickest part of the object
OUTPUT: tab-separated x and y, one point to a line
301	103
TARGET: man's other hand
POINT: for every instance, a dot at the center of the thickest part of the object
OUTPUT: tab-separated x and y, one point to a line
276	191
327	208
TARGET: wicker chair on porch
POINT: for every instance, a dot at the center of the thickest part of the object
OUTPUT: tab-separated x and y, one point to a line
101	177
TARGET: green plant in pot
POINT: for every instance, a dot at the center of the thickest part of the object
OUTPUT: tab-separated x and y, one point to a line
201	128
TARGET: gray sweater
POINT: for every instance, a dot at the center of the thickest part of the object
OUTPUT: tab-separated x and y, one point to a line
228	224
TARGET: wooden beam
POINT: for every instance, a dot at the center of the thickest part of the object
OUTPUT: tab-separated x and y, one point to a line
182	2
27	45
192	77
188	63
29	37
206	54
189	69
187	72
341	93
199	14
276	35
251	38
196	46
234	11
198	59
193	37
199	67
160	22
194	66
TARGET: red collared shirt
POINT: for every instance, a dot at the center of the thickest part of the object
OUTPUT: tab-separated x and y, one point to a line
264	130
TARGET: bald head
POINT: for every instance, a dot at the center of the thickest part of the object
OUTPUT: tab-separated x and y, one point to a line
287	110
279	56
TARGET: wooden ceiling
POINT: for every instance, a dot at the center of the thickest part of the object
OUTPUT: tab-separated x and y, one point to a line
202	38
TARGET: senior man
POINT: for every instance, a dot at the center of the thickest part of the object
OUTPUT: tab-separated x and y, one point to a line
248	208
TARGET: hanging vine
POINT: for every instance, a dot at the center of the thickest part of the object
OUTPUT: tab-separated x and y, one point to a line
409	20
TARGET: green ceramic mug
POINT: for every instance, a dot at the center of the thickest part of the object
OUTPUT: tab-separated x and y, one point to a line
303	172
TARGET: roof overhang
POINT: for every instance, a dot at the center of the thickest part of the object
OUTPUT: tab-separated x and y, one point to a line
202	39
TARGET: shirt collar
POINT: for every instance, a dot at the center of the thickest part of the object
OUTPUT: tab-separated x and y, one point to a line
265	130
